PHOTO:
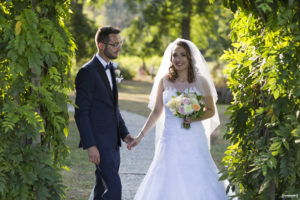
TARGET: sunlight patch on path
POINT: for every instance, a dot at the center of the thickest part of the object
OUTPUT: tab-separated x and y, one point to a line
134	97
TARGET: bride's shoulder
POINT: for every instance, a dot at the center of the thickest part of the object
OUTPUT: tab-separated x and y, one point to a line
165	77
162	83
200	76
166	82
201	79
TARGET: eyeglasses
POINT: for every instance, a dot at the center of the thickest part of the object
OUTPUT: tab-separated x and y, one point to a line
115	45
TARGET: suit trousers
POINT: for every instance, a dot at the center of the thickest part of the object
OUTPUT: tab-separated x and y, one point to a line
109	173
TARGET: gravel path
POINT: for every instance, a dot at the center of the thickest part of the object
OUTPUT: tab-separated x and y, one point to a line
135	163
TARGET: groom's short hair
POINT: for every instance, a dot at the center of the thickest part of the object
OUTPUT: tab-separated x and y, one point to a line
102	35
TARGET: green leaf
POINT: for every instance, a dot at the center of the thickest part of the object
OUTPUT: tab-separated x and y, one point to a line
66	132
275	153
272	162
276	94
236	45
296	131
18	28
43	192
260	110
286	144
28	177
264	186
284	168
275	146
264	170
35	61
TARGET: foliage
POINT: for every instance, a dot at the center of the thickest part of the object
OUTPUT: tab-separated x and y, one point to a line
263	161
35	61
83	30
85	14
118	14
126	73
158	22
132	64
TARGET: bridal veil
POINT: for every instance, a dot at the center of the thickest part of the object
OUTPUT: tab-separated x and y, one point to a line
202	75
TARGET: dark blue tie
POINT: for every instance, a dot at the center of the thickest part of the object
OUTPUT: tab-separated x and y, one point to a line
108	66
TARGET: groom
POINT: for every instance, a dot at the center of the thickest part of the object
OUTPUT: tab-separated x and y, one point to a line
98	117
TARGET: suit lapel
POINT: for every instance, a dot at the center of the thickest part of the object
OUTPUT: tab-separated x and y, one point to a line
115	88
101	71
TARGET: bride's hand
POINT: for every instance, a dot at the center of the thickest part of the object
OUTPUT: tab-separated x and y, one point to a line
187	120
135	141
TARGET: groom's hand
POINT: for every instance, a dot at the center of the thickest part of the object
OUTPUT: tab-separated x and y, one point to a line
94	155
135	142
128	139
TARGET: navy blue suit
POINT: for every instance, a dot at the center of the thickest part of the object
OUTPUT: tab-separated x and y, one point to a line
100	124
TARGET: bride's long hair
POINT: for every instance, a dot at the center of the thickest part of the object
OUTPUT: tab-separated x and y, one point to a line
173	75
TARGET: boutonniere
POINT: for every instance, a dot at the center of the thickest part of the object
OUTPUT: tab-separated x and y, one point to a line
118	75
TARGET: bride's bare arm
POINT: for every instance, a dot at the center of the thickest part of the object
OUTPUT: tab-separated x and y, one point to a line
207	99
153	116
209	108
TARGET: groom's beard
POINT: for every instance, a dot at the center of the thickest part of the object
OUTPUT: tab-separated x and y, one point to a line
109	54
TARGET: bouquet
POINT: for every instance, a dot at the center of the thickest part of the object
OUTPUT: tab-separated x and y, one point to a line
187	106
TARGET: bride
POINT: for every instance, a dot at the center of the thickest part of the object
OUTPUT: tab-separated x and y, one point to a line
182	167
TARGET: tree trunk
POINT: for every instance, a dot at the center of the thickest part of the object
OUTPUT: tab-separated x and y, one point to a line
36	82
185	26
272	190
186	9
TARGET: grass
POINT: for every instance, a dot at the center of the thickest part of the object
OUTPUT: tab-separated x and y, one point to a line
133	97
80	177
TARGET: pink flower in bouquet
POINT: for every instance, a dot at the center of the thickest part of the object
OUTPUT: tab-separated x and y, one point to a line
181	110
186	100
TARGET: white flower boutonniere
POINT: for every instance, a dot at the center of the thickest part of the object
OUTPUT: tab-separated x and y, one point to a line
119	77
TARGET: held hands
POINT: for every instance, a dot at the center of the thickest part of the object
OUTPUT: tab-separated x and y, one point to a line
94	155
135	141
128	139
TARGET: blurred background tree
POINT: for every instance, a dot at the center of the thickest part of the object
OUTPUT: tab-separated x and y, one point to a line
159	22
83	30
149	26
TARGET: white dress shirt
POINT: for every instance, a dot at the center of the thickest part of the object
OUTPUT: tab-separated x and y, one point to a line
108	74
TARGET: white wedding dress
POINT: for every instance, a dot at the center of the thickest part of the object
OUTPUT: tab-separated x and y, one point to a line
182	167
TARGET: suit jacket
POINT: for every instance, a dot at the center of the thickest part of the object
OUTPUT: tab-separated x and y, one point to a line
98	116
